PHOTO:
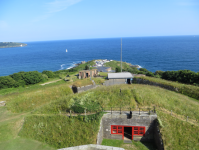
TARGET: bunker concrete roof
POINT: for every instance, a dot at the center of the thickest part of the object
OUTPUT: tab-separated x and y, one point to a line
92	147
121	75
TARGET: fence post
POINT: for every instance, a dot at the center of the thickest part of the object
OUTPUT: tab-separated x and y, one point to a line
149	111
85	112
111	110
70	113
120	110
171	112
154	110
139	111
187	118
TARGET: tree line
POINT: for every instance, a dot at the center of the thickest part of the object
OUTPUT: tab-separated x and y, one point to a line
25	78
182	76
32	77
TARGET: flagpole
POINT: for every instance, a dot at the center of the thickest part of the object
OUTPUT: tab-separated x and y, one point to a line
121	54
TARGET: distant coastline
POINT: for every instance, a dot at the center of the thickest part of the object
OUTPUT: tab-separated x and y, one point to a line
11	44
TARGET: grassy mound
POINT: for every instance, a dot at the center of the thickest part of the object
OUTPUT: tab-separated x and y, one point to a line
178	134
61	131
83	82
131	96
189	90
28	101
10	124
49	124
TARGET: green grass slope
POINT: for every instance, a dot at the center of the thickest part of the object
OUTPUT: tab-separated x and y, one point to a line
144	96
10	125
61	131
189	90
46	120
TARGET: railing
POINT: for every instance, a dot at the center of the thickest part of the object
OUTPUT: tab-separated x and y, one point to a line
120	109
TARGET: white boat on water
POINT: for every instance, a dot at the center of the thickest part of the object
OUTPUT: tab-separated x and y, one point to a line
66	50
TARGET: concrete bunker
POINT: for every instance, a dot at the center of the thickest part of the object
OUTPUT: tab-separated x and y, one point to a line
139	127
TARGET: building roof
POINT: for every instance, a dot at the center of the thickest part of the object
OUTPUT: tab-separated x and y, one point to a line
121	75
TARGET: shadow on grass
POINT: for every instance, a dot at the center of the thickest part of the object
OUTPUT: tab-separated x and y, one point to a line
150	145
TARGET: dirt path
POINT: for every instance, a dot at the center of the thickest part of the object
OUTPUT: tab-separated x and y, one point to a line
51	82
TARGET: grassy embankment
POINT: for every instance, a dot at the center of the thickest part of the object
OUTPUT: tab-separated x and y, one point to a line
174	129
189	90
10	125
51	102
20	104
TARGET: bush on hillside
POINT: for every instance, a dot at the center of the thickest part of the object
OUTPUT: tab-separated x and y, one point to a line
183	76
117	69
159	72
19	78
150	74
50	74
143	69
87	101
134	70
7	82
32	77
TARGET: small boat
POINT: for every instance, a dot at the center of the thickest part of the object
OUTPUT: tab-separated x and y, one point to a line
66	50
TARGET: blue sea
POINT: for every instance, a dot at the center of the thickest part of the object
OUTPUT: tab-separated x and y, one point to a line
153	53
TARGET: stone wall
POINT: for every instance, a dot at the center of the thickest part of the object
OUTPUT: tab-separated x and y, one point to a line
83	88
157	137
100	134
121	119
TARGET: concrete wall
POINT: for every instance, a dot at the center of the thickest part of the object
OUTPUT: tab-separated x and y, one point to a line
121	119
83	88
92	147
100	134
114	82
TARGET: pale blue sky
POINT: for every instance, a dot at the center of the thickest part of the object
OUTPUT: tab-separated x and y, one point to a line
42	20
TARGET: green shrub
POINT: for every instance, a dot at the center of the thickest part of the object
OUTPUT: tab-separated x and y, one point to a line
32	77
50	74
183	76
87	101
159	72
44	76
7	82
